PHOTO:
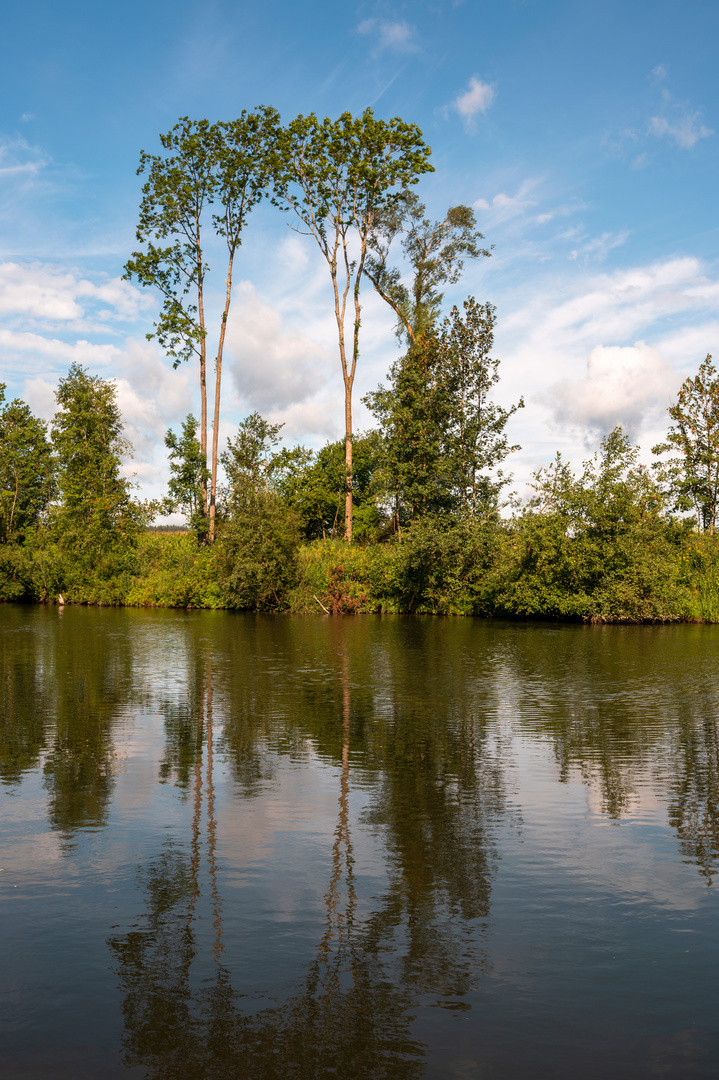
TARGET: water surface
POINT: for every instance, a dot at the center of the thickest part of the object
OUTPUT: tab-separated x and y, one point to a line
239	846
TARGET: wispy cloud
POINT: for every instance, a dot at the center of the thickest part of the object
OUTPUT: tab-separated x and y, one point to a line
388	36
597	248
19	159
502	207
686	130
675	121
473	101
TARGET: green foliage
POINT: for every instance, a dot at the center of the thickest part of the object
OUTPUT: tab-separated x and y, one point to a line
444	436
692	475
314	485
442	566
411	412
475	440
249	460
174	570
598	546
188	474
699	573
435	251
27	474
96	514
337	577
260	536
257	552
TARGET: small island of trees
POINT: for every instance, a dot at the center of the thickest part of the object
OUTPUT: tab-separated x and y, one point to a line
413	515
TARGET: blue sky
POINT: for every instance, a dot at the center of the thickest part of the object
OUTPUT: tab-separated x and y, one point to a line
585	136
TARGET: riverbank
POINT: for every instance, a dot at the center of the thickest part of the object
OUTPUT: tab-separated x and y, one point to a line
436	569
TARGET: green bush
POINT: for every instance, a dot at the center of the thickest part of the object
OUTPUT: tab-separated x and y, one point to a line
257	553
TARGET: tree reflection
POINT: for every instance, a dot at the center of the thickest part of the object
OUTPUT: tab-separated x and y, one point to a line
694	789
439	790
95	673
23	708
619	713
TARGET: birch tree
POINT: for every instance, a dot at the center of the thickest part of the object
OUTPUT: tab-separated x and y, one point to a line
337	176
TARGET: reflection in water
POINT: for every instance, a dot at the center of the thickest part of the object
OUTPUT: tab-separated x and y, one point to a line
345	1018
429	734
694	793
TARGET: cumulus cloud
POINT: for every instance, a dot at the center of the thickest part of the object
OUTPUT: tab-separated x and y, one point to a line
476	99
24	345
685	130
591	350
621	385
55	295
389	36
151	395
272	365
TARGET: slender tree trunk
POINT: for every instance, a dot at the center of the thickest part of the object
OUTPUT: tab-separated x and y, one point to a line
203	385
218	383
347	375
348	461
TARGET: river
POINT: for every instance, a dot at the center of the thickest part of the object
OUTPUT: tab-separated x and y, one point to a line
249	847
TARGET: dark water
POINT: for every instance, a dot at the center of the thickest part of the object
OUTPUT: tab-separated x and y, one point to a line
255	847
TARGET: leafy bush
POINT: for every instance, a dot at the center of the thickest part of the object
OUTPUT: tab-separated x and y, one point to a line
257	553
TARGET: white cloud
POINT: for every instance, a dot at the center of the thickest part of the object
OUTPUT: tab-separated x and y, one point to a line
502	207
686	130
152	396
19	159
620	386
272	365
56	295
598	247
561	211
389	36
19	345
476	99
591	350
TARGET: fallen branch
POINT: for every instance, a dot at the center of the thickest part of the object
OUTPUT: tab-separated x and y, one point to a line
321	604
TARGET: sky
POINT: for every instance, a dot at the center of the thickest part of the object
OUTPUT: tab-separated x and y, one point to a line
584	136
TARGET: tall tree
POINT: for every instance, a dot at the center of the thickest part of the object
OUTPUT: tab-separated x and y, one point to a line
338	176
692	474
444	434
26	470
88	439
475	434
411	409
435	250
223	165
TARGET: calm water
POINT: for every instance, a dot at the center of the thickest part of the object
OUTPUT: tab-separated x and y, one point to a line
256	847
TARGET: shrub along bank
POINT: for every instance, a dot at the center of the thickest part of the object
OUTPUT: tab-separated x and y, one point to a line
527	568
